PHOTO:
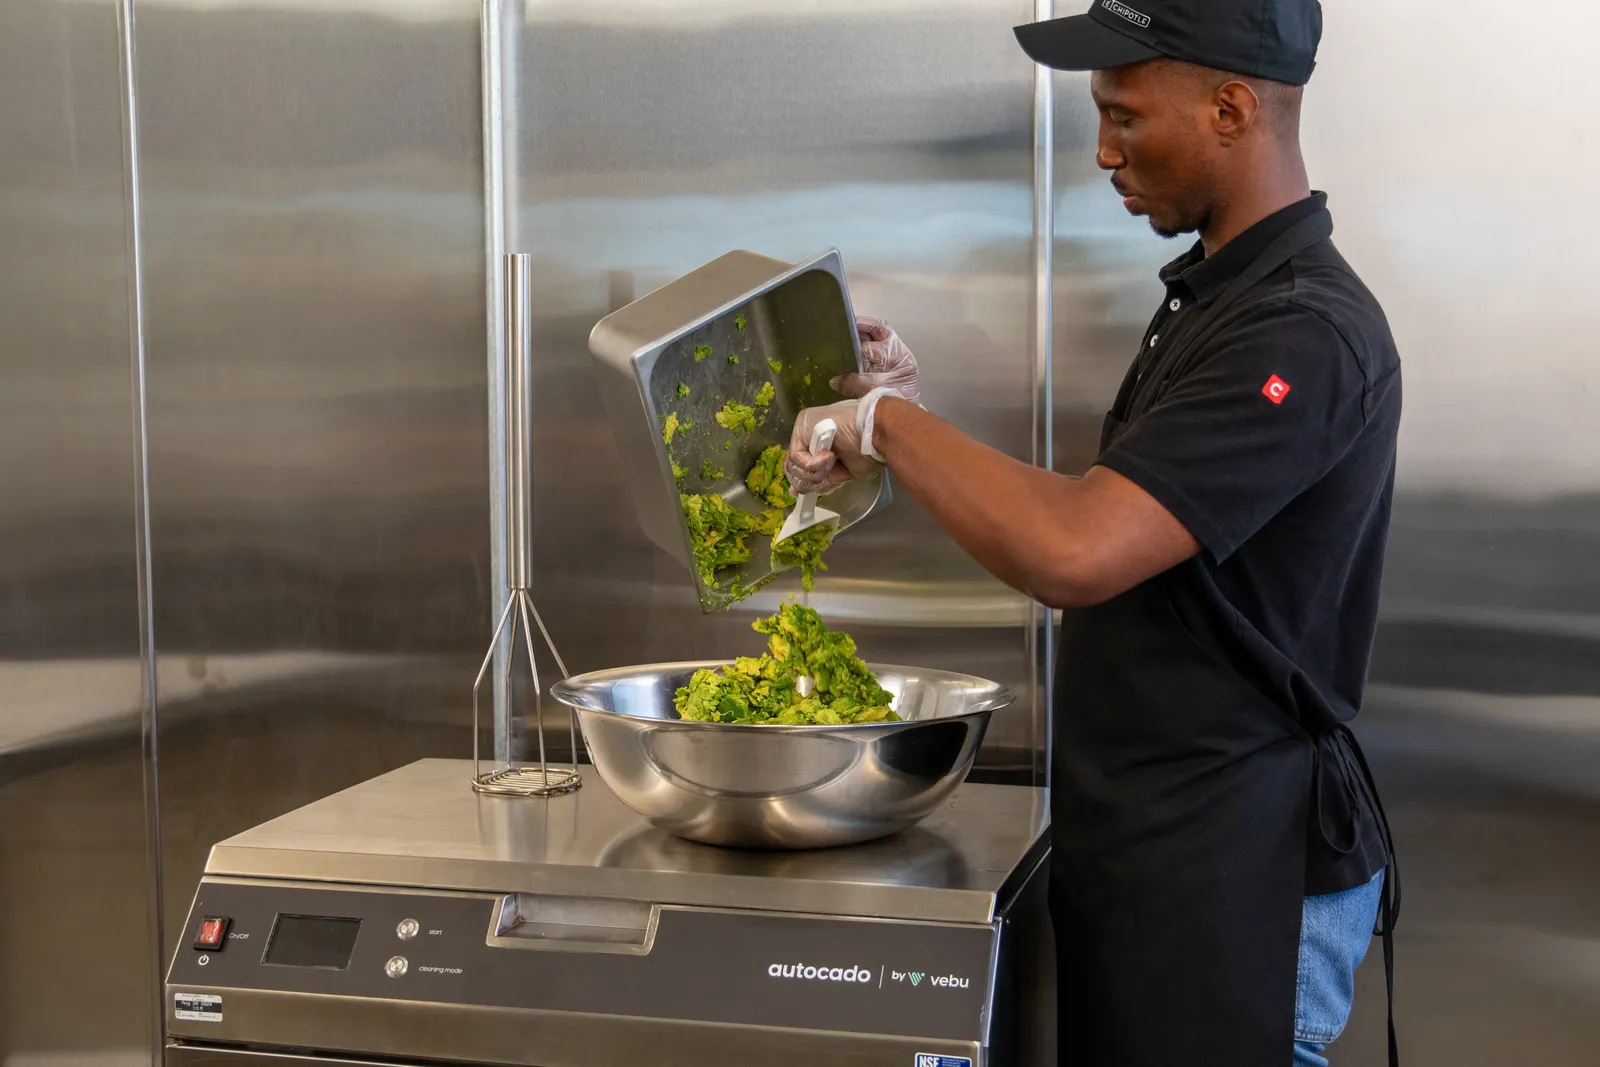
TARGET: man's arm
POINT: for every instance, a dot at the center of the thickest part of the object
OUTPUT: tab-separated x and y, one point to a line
1066	541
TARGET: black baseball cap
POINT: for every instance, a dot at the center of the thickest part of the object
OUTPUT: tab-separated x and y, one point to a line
1272	39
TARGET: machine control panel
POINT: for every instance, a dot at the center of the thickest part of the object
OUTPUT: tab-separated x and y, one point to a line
582	955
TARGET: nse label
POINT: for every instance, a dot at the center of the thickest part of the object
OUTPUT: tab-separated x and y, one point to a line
929	1059
197	1007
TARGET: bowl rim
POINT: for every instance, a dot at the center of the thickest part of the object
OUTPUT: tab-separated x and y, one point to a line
1001	697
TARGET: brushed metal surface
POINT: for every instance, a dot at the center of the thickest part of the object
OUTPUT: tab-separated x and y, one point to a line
901	134
71	700
767	323
794	787
1483	724
182	1055
404	1030
422	825
315	294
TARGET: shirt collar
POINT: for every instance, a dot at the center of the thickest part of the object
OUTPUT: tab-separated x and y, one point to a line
1205	276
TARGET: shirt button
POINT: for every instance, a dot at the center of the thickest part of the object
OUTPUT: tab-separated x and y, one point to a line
1154	339
1175	305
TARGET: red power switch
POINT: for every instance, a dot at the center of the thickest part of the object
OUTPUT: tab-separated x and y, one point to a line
213	931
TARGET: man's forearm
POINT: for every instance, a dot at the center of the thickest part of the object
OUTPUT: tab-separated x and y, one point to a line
1009	516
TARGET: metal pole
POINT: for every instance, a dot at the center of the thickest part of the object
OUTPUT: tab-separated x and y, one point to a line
519	419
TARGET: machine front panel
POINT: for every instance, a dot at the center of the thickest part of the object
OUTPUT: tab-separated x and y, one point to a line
700	965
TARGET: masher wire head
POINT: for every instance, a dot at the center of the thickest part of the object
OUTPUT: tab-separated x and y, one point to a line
544	780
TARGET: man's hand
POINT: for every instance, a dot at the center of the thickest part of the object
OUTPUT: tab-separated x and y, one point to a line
823	471
887	362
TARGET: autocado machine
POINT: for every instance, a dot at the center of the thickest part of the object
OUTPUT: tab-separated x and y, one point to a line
697	894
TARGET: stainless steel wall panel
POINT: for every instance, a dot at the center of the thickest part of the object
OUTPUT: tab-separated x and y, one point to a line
1453	171
651	138
77	946
1484	719
314	271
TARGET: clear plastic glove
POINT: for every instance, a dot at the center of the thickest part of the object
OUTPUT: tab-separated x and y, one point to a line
887	360
823	471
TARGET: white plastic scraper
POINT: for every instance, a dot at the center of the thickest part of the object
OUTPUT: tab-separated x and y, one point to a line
806	514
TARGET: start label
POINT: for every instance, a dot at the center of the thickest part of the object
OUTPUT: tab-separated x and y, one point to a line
197	1007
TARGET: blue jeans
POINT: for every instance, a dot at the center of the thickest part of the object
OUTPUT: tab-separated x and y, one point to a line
1334	932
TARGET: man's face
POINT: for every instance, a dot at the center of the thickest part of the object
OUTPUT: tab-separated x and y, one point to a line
1154	138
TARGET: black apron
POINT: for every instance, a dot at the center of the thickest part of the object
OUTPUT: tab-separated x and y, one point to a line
1181	803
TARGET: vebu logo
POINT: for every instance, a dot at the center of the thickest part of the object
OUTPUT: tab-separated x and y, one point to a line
947	981
819	974
1141	21
1275	389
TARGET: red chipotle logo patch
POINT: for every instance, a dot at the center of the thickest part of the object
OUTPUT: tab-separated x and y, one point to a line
1275	389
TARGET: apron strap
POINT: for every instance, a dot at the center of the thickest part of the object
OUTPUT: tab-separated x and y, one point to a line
1353	764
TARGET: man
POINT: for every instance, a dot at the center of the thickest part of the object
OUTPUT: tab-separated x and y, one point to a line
1219	850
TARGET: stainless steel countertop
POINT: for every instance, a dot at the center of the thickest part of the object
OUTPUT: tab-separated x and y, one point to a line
423	826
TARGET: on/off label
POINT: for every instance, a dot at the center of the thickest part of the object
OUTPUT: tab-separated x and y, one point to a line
930	1059
207	1008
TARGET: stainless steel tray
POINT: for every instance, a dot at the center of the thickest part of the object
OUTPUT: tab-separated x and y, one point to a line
798	315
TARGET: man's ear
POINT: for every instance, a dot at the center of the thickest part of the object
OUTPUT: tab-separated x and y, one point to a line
1235	108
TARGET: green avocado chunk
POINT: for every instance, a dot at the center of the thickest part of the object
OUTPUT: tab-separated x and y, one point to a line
764	689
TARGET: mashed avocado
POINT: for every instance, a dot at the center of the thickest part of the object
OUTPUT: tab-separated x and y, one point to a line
736	416
771	521
766	479
738	322
764	690
804	550
717	533
710	472
670	428
798	641
701	352
764	395
683	390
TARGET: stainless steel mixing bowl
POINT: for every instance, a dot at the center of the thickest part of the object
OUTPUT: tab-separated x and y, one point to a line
785	787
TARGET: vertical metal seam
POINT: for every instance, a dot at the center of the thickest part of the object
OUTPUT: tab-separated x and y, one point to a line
1040	631
150	713
493	12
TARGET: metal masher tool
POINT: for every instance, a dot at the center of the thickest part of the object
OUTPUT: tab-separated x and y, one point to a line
520	614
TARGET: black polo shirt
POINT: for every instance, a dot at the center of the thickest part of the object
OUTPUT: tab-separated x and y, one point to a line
1273	442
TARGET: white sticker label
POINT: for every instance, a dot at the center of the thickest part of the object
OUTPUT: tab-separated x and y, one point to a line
197	1007
929	1059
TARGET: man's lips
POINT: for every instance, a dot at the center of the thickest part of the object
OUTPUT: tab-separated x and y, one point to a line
1128	199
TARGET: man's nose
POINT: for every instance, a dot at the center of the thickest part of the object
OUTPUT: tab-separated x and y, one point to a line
1107	157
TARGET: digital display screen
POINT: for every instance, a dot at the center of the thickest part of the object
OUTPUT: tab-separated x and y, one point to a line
312	941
